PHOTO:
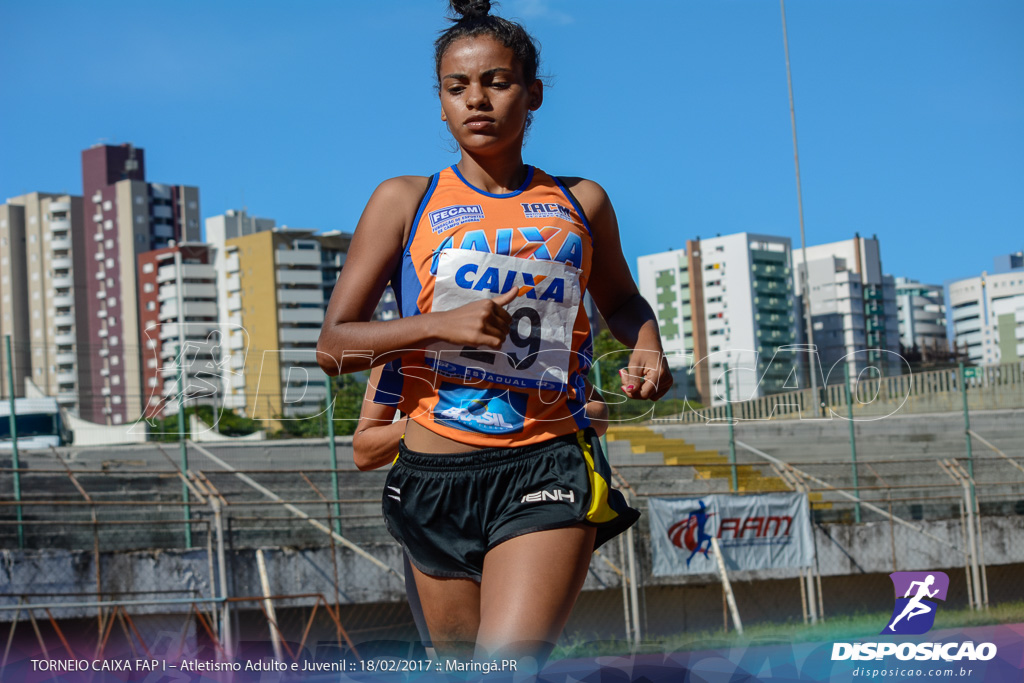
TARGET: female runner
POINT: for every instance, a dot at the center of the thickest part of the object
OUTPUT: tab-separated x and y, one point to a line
495	496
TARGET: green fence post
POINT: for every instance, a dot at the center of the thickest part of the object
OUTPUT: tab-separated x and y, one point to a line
334	456
183	446
967	426
13	421
732	435
600	390
853	442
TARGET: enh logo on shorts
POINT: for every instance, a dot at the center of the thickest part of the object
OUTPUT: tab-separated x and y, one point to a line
555	495
915	608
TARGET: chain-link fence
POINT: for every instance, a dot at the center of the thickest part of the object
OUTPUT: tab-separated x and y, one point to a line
262	548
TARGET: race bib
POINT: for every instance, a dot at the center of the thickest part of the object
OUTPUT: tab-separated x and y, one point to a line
537	350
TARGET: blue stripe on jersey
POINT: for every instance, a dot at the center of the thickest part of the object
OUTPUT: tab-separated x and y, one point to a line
572	200
389	388
522	188
404	281
578	405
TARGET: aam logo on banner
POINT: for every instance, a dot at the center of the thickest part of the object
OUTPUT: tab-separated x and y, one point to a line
916	593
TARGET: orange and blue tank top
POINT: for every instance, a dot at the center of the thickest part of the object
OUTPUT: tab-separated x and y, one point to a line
467	244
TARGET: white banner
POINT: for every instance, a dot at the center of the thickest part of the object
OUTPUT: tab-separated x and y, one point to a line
764	531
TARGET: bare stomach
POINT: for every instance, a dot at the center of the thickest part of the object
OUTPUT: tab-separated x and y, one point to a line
420	439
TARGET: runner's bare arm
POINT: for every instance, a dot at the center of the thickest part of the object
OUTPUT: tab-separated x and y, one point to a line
376	438
628	314
348	341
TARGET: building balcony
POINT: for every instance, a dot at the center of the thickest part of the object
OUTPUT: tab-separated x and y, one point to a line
231	264
163	232
59	206
299	335
66	320
66	398
306	356
65	359
235	302
300	296
63	301
61	263
103	334
97	217
299	277
65	378
297	257
300	315
60	225
103	353
232	284
64	339
189	290
60	243
236	342
62	282
192	310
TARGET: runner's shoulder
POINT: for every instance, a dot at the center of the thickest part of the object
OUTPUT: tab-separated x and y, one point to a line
591	196
401	190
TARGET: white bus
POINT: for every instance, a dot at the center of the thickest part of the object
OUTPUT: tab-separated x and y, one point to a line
40	424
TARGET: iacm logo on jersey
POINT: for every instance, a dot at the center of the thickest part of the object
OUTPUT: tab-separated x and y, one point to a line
545	210
452	216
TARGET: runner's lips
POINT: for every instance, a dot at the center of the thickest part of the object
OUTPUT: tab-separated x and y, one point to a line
478	122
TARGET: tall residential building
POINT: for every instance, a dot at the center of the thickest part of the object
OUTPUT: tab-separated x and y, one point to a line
178	319
853	307
276	286
727	301
986	313
921	310
126	216
42	281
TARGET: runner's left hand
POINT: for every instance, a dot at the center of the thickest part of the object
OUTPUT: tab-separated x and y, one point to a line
647	375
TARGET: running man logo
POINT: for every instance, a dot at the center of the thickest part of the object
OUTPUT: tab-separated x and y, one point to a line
914	615
690	533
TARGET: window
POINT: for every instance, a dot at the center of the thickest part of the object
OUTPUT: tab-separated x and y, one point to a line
147	267
150	305
113	341
148	287
115	360
107	205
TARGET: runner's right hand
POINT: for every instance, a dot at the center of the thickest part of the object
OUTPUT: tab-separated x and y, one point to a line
480	323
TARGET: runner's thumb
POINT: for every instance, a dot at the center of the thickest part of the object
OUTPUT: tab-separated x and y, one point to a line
506	298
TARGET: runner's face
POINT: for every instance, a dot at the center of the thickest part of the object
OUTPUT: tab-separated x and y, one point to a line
484	98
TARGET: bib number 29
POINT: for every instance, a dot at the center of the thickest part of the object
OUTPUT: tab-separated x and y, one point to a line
529	342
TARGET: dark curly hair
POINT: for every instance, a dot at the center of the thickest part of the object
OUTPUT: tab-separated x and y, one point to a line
474	20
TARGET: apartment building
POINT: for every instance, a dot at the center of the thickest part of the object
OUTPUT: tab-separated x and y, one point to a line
921	311
180	330
42	285
727	301
125	216
853	307
985	314
276	286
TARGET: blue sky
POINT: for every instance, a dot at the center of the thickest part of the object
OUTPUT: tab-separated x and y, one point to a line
910	114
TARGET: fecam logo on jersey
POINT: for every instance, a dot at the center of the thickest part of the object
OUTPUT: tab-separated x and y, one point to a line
914	615
452	216
539	210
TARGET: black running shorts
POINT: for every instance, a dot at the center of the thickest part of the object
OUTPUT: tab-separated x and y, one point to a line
448	510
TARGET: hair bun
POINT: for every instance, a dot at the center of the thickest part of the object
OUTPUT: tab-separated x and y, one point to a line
471	9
